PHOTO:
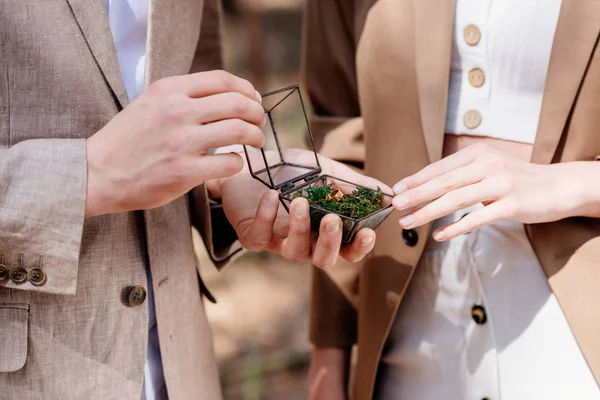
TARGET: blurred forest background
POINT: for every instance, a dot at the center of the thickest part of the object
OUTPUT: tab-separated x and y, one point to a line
261	319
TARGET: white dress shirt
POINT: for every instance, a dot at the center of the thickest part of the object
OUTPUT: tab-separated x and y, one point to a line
129	25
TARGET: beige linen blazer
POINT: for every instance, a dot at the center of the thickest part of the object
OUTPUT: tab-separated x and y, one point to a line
80	336
377	74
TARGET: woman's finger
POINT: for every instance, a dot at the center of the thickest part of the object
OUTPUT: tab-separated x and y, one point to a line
453	201
328	245
261	233
297	246
363	243
454	161
470	222
438	187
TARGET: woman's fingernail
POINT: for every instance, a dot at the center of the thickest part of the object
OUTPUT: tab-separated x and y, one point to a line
258	97
301	209
400	201
439	235
407	220
332	227
400	187
366	241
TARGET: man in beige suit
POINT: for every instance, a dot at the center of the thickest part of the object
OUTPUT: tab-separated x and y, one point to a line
77	161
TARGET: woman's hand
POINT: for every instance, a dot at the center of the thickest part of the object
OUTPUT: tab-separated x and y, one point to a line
509	188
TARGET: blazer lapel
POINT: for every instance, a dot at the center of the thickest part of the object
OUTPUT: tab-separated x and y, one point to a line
575	38
92	19
173	32
433	47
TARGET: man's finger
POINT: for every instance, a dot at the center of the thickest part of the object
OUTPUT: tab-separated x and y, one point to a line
228	132
227	106
297	246
261	233
363	243
328	245
209	83
216	166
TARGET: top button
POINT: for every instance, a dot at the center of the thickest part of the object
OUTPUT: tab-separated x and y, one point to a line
472	35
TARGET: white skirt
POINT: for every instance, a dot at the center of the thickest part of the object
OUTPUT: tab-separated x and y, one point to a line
479	321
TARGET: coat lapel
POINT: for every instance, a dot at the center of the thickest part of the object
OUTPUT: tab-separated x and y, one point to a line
173	32
574	41
93	21
433	49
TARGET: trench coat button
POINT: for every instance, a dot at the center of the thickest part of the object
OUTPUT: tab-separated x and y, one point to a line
472	119
136	296
478	314
472	35
410	236
476	77
3	272
18	275
37	277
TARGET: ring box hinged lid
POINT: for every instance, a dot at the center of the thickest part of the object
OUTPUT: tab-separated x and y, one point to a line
290	171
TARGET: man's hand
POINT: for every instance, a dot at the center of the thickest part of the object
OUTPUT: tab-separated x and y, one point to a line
155	150
328	374
262	223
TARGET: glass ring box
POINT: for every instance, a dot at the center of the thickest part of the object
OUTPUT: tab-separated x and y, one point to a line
297	173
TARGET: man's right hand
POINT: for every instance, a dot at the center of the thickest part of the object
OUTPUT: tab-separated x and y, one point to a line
155	150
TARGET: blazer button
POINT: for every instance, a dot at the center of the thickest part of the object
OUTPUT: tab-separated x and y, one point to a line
137	296
37	277
478	314
18	275
410	236
3	272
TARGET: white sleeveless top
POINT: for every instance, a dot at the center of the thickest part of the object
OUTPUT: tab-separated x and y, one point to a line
500	57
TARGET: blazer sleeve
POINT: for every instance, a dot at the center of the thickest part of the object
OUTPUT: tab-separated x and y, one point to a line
219	237
43	186
329	77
